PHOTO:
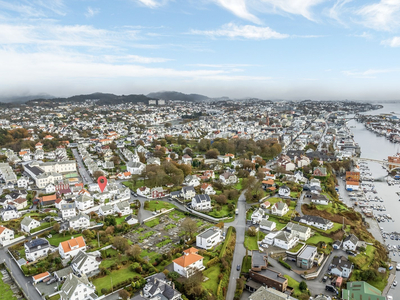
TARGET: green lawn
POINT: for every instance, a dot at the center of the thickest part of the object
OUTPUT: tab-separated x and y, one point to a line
293	284
246	264
363	260
157	205
163	243
176	215
133	187
238	186
42	226
212	283
56	239
116	277
275	219
170	226
319	238
120	220
152	223
250	242
296	248
55	297
5	290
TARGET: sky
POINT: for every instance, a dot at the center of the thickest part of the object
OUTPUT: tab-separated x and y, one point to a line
270	49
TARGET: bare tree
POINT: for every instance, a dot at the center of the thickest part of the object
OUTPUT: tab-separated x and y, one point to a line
189	226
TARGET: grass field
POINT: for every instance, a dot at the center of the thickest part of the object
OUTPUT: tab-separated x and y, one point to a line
157	205
116	277
279	225
212	283
246	264
250	242
56	239
152	223
319	238
293	284
5	290
363	260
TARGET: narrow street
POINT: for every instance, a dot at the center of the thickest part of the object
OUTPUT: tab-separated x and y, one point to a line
86	179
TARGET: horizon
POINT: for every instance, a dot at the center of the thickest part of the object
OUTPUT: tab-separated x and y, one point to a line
267	49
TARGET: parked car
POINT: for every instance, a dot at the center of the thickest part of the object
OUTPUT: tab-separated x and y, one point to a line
238	267
351	252
325	278
331	288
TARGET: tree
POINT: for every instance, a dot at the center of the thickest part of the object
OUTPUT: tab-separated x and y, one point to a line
252	231
120	243
116	160
221	199
124	294
56	227
212	153
189	226
303	286
134	251
97	174
167	125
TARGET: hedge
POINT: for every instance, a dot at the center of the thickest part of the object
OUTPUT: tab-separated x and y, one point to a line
285	264
212	262
227	238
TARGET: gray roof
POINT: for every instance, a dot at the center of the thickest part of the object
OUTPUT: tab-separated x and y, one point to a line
259	259
63	272
83	198
208	232
265	222
70	285
308	252
80	259
297	227
314	219
351	238
78	216
26	221
264	293
122	205
187	189
202	198
37	244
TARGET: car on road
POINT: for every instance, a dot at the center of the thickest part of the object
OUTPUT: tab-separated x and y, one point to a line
238	267
351	252
331	288
325	278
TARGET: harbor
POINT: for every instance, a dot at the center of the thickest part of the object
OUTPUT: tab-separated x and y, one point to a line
378	195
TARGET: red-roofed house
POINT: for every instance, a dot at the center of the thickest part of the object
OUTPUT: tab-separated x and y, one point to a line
71	247
40	277
189	263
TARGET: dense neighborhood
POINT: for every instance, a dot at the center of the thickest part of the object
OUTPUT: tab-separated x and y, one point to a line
204	200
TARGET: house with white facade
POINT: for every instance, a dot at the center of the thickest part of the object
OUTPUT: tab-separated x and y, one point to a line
279	209
84	202
285	240
86	263
201	202
209	238
80	221
266	224
315	221
350	242
257	216
9	213
302	232
50	188
228	178
23	182
36	248
135	167
6	235
192	180
143	191
27	224
70	248
77	288
68	210
284	191
123	208
207	189
341	266
106	210
189	263
159	287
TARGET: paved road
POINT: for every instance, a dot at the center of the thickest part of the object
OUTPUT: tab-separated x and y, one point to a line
300	203
240	251
86	179
23	281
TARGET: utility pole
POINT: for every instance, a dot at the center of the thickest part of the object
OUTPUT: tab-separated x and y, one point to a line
98	240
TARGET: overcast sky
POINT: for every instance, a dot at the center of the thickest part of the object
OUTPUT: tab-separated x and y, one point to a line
272	49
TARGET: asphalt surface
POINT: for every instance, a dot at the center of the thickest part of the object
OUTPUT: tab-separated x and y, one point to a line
86	179
240	251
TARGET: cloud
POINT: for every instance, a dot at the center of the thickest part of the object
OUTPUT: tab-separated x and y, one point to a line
221	65
393	42
152	3
364	35
337	10
295	7
384	15
238	8
36	8
368	73
91	12
232	30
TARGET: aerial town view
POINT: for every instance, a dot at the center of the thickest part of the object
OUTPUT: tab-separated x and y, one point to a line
199	150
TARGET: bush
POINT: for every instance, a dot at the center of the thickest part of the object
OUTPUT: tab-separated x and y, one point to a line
212	262
285	264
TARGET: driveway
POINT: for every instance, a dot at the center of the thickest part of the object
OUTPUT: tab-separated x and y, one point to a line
300	203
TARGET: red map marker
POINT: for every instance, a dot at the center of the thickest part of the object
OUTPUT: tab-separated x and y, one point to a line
102	182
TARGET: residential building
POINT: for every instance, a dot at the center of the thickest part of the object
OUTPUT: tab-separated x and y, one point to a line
228	178
315	221
86	263
80	221
350	242
341	266
68	210
209	238
6	235
9	213
36	248
284	191
201	202
263	293
266	224
189	263
305	259
302	232
27	224
285	240
207	189
188	192
77	288
279	209
159	287
70	248
106	210
123	208
84	202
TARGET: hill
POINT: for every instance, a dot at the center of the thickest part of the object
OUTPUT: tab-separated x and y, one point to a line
171	95
100	98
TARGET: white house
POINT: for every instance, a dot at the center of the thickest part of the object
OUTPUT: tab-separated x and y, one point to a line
350	242
189	263
207	188
279	208
68	210
123	208
285	240
284	191
201	202
135	167
131	220
186	159
257	216
106	210
341	266
27	224
81	221
84	202
143	191
192	180
319	199
209	238
315	221
302	232
50	188
77	288
20	203
228	178
188	192
23	182
267	224
9	213
5	234
36	248
158	287
85	263
71	247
